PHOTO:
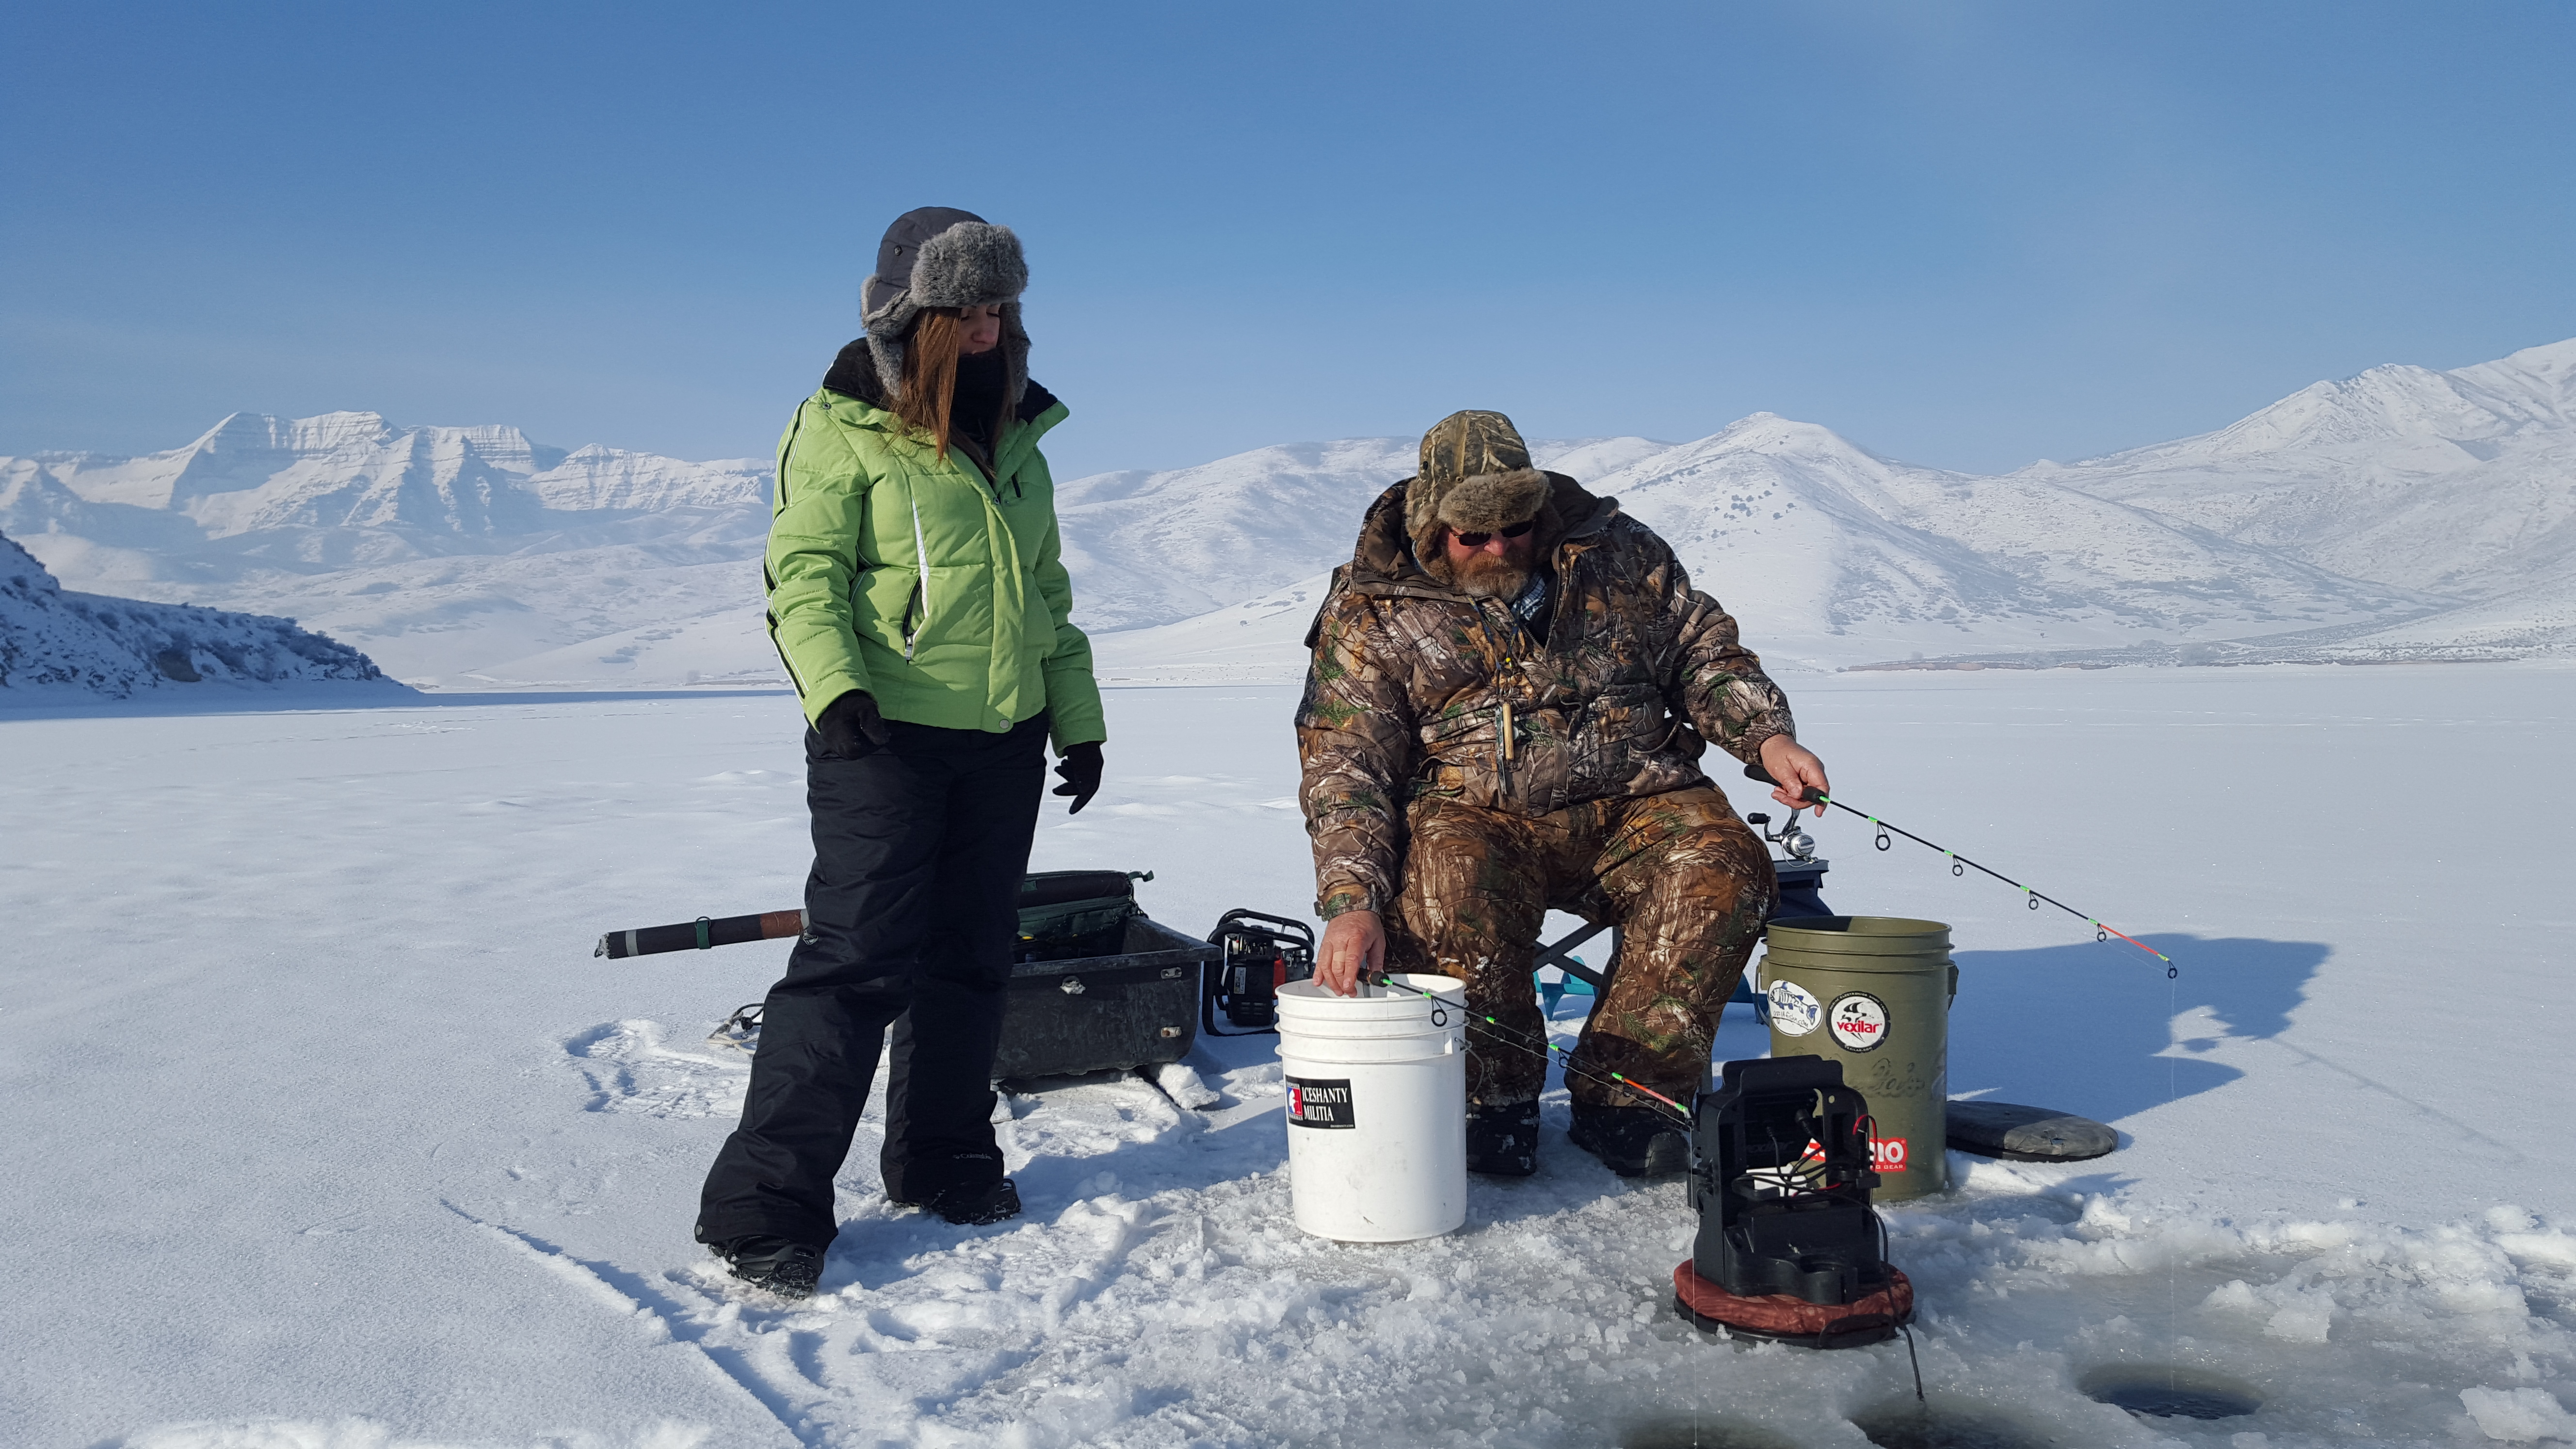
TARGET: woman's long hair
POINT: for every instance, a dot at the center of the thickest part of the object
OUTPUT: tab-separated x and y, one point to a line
928	398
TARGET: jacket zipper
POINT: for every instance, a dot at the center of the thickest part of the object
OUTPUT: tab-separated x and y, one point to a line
920	586
784	662
787	450
768	580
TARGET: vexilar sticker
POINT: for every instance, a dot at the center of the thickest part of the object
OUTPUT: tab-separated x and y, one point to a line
1887	1154
1858	1020
1320	1104
1795	1011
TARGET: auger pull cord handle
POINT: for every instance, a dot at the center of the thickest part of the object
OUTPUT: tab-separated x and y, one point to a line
1957	861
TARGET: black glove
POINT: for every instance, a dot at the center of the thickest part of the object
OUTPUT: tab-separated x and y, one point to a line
1080	768
848	720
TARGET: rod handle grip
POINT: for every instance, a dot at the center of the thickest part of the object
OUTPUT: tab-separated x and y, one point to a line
701	934
1756	772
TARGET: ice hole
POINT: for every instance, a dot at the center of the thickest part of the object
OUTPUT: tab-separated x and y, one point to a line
2166	1392
1698	1432
1909	1425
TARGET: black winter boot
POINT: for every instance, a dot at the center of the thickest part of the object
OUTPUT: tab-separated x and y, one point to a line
964	1187
968	1204
1632	1141
1502	1138
785	1268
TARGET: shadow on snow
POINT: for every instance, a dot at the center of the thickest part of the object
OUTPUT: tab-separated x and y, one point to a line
2099	1030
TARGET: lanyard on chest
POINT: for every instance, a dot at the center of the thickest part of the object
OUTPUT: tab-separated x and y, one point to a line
1511	655
1511	676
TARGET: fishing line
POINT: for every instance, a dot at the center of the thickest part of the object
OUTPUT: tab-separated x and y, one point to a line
1523	1041
1959	865
2101	932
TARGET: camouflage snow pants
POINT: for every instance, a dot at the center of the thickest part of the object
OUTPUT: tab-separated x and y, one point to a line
1688	884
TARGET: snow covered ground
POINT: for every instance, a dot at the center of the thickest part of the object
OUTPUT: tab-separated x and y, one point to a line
327	1129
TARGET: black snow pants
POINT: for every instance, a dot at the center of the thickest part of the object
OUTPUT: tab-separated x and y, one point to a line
912	912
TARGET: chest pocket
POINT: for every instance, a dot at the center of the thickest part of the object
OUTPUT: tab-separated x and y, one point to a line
1629	714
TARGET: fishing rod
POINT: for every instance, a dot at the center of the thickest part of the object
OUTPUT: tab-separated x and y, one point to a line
2101	932
1511	1037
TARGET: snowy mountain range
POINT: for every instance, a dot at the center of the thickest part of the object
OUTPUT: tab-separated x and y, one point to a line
2402	513
438	550
1153	548
2405	513
2461	484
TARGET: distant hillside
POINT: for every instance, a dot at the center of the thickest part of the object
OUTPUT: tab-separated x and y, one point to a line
54	641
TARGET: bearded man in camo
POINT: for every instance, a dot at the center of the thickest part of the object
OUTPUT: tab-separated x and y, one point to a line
1512	684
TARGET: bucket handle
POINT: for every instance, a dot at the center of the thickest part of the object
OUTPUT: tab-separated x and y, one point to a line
1954	985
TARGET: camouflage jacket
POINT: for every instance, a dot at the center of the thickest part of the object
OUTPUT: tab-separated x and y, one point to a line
1412	681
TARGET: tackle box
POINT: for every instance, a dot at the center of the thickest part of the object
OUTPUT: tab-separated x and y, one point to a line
1097	984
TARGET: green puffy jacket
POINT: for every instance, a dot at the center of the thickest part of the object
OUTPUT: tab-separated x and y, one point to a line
914	577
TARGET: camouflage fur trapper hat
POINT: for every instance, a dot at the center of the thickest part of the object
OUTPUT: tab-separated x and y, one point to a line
1475	477
938	256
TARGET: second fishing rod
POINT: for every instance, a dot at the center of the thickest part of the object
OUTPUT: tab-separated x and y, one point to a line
1616	1081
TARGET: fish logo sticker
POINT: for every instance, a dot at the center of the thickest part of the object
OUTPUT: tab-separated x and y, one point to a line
1858	1021
1320	1104
1795	1011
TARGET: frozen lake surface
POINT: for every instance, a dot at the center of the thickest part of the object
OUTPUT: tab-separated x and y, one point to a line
328	1130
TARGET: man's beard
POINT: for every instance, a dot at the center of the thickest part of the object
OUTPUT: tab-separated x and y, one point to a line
1491	576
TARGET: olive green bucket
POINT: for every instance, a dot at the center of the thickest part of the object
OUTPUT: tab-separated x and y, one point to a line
1873	993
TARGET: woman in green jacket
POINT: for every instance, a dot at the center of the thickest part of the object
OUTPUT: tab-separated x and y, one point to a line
919	601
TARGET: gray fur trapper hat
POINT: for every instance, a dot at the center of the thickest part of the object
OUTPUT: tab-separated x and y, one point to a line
939	256
1475	477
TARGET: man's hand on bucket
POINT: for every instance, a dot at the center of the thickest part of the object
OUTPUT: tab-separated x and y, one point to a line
1354	941
1794	770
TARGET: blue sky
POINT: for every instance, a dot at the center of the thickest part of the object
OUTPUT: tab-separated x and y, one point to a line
1963	234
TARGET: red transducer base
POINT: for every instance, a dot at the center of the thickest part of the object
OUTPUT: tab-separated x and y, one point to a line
1873	1319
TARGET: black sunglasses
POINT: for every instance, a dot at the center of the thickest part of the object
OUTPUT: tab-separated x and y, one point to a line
1479	540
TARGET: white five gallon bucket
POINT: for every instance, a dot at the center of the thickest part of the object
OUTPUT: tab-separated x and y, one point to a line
1377	1109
